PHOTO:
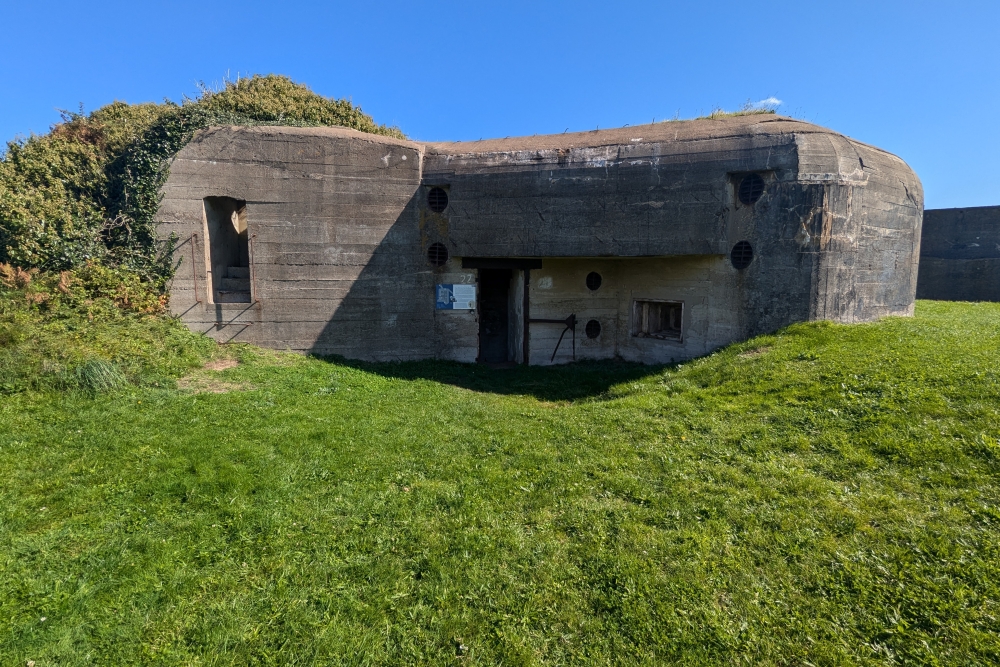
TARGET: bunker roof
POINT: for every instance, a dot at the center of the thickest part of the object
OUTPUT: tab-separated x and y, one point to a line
822	154
667	131
729	127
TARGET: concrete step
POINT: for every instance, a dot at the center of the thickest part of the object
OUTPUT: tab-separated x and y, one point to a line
232	296
236	284
238	272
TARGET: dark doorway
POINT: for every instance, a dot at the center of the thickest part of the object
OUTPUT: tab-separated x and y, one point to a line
229	253
494	315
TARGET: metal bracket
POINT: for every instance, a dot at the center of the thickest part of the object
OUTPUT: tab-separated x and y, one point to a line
570	324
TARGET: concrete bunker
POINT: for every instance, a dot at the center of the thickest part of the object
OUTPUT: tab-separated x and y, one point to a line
960	254
652	243
228	249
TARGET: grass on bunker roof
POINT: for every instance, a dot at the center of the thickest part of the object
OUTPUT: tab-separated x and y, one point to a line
825	495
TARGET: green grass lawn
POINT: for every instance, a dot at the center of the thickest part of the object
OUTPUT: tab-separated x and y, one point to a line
826	495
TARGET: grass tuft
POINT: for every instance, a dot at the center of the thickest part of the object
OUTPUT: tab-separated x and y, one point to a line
100	376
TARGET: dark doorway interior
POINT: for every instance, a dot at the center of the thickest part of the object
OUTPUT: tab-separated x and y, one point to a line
229	254
494	315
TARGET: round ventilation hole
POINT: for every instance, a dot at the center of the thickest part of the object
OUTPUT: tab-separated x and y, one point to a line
593	329
741	256
593	281
437	254
437	200
751	188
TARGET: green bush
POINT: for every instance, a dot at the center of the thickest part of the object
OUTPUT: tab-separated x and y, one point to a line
86	194
82	272
50	211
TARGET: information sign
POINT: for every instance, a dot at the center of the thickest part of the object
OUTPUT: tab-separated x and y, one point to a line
456	297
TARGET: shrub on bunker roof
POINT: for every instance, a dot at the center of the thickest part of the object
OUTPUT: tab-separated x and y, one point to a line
88	191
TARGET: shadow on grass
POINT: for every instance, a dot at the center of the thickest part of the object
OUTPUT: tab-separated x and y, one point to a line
567	382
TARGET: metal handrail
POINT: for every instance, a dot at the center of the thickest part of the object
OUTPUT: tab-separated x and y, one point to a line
253	270
194	265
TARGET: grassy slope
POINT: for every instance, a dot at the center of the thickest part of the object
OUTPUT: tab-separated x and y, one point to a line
45	351
826	495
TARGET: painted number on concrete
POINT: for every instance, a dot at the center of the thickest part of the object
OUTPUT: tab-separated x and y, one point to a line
456	297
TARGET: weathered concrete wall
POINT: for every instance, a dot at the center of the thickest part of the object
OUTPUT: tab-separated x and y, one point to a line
339	227
651	196
336	259
863	229
836	232
960	254
456	332
706	284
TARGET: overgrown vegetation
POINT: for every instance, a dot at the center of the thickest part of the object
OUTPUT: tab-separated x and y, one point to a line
828	495
87	192
94	329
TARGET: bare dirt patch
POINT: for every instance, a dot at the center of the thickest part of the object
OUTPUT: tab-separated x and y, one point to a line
221	364
206	380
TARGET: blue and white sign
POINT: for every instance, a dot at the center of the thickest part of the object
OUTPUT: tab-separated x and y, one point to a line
456	297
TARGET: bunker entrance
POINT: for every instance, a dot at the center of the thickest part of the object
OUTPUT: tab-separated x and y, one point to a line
494	316
228	248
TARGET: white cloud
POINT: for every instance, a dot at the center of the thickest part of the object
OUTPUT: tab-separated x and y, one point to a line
769	102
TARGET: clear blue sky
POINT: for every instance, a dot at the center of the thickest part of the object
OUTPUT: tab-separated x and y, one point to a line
919	79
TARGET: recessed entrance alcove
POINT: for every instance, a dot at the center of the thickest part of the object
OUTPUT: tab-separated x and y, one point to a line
228	249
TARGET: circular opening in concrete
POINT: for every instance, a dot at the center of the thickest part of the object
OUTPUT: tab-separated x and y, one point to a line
751	188
741	256
593	329
437	254
593	281
437	200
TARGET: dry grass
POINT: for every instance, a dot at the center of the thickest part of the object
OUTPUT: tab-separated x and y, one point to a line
722	113
749	108
207	379
220	364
